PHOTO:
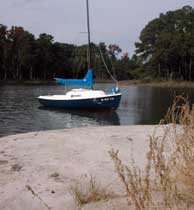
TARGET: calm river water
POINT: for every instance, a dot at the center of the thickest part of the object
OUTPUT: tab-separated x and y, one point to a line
20	110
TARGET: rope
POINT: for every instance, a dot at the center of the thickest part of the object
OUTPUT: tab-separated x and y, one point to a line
113	68
107	66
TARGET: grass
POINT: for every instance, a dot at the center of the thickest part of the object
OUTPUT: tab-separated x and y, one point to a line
162	84
167	181
171	84
87	190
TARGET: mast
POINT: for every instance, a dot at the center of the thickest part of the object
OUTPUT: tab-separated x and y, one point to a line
89	42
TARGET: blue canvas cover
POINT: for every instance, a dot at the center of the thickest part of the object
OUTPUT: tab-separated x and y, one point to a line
86	81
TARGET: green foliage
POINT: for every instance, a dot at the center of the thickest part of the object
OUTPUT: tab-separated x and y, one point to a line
167	45
139	73
165	50
23	57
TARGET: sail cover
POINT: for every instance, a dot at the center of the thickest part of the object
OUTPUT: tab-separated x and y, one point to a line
86	81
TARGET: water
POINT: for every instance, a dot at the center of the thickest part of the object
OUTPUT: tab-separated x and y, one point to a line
21	112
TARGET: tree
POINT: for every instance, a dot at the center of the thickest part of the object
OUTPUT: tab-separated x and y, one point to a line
24	57
43	54
166	44
3	52
18	50
114	51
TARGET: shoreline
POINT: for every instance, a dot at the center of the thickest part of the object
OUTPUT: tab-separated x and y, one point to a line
32	159
161	84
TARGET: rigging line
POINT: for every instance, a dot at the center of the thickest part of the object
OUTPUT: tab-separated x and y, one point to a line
89	39
89	45
107	66
113	68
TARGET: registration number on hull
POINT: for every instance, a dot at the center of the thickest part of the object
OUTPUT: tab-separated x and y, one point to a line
107	99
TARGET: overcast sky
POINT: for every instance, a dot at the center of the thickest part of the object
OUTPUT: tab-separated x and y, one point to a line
112	21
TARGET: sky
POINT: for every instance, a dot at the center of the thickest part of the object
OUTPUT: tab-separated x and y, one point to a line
112	21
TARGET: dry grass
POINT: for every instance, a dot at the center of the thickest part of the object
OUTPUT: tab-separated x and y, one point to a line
162	84
170	84
167	182
87	190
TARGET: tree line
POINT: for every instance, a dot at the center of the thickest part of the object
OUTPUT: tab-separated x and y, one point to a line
165	50
166	46
24	57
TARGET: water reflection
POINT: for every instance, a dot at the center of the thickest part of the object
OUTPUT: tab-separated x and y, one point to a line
100	117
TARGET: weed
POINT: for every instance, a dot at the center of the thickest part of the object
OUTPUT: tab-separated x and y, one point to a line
89	190
167	181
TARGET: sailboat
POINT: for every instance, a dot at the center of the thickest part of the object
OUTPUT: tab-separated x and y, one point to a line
83	98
